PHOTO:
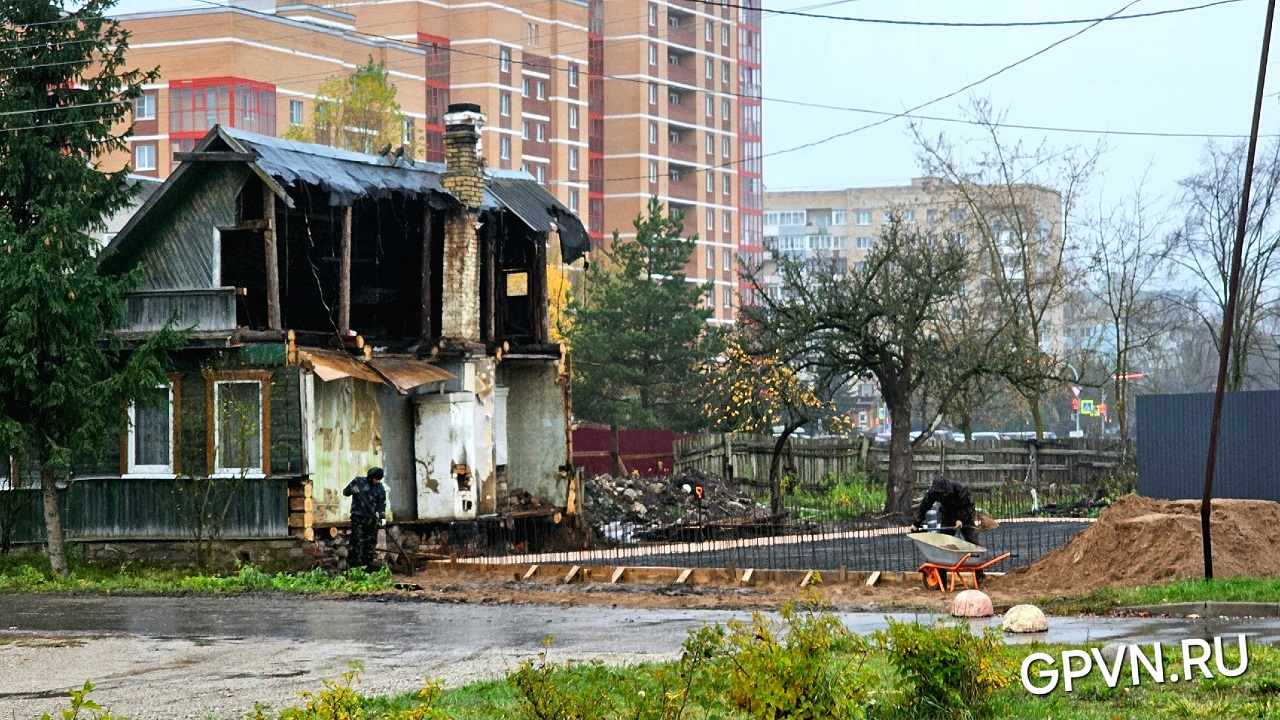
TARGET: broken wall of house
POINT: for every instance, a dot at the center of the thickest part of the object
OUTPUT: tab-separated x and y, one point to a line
186	256
537	430
397	454
454	444
346	440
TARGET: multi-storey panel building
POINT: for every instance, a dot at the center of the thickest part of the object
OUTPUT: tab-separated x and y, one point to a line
604	102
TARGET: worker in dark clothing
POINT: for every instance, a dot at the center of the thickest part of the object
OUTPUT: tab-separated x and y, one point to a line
368	509
954	504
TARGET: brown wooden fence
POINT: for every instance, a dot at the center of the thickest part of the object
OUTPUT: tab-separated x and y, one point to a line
814	462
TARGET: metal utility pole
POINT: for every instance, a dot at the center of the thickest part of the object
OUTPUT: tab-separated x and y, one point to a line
1233	293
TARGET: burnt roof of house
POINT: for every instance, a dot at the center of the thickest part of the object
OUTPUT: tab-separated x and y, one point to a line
347	175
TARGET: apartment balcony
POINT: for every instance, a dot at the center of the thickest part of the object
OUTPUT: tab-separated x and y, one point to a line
680	107
680	29
682	182
685	152
680	67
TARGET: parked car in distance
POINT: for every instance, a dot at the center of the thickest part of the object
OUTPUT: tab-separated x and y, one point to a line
1026	435
981	436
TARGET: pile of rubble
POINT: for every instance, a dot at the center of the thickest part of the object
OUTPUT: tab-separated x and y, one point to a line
632	508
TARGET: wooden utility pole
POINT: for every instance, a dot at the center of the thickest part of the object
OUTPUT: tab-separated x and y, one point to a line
274	321
344	283
1233	293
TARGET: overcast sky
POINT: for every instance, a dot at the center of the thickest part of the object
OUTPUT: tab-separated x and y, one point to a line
1191	72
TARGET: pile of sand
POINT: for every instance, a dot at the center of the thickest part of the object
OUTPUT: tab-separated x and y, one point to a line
1141	541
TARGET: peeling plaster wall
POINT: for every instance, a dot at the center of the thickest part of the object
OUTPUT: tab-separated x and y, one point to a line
456	428
536	430
347	442
397	454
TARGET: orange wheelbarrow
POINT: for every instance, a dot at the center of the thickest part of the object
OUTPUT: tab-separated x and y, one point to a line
948	558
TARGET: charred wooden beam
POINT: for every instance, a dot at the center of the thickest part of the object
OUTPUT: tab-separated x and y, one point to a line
427	310
272	259
344	286
489	260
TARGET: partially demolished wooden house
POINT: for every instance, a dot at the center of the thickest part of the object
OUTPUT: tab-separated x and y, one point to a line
344	311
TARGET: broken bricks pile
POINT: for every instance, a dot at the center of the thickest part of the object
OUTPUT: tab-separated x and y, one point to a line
633	508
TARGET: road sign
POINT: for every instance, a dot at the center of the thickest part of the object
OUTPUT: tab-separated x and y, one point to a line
880	414
1075	403
1075	390
1102	409
1087	408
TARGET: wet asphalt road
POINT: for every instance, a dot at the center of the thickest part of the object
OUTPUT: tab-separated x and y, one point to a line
195	657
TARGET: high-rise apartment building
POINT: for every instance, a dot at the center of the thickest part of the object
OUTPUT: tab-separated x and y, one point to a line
605	102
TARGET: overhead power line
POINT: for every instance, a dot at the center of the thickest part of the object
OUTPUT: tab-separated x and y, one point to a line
961	24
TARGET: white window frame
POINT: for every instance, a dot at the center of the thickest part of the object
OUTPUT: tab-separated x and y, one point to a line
573	74
540	91
542	174
406	131
504	59
725	147
862	217
135	470
711	258
573	117
573	158
724	71
144	106
653	133
504	104
653	93
711	68
711	183
728	185
653	171
726	223
711	223
573	200
218	469
653	54
726	257
724	109
653	15
137	157
524	87
711	107
711	31
542	132
504	147
295	105
724	35
524	129
728	298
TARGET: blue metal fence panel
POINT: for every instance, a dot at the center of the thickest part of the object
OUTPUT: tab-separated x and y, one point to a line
1173	437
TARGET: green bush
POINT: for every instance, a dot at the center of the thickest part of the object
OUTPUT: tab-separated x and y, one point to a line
549	691
947	670
806	666
841	497
83	707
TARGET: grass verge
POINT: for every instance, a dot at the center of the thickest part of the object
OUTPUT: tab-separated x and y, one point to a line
1179	591
25	577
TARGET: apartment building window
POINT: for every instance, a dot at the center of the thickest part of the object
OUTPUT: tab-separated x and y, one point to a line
711	258
653	93
863	243
724	109
573	117
931	216
653	171
653	15
724	71
542	90
653	133
573	200
406	132
711	182
728	185
889	217
524	87
862	217
711	219
728	298
542	132
144	106
573	158
524	130
534	35
151	425
504	60
959	214
673	98
674	173
711	107
725	145
711	31
724	35
295	112
144	156
728	261
524	167
908	216
504	104
653	54
710	68
195	106
839	217
573	75
711	298
711	145
726	224
504	147
542	174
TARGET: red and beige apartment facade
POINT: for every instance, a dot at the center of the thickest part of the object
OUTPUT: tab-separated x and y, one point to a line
605	102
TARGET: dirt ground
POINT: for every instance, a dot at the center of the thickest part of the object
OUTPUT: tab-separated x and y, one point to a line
472	586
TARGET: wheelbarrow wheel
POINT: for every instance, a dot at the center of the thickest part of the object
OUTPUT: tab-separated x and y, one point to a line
930	583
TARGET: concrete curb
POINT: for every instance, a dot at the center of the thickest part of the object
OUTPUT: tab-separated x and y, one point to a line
1207	609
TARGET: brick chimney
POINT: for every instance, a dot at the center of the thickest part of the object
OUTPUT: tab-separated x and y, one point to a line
463	178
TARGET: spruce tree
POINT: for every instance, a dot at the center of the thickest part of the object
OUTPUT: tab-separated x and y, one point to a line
640	330
65	105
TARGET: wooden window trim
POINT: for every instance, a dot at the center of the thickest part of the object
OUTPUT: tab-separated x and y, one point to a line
211	379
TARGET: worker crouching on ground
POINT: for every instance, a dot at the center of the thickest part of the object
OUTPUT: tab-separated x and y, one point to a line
954	504
368	509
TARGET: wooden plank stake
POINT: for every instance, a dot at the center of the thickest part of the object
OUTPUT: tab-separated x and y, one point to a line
746	576
730	570
844	573
344	280
532	569
617	575
684	576
808	578
573	572
875	578
273	263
